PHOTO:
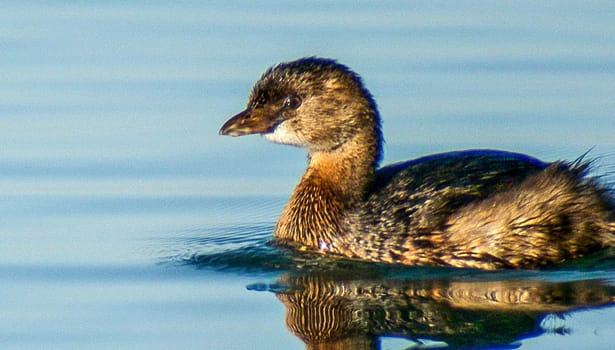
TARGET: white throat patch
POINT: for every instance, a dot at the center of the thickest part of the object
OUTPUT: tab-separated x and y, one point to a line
285	135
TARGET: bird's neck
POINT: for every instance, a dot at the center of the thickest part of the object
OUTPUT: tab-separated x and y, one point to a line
333	183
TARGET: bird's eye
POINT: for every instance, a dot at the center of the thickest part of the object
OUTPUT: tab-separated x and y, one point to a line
292	102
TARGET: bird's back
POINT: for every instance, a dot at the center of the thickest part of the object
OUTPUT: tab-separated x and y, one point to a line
424	192
459	208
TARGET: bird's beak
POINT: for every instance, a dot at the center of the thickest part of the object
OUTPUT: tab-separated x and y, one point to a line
248	122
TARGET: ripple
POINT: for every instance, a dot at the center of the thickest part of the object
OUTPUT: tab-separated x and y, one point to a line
246	249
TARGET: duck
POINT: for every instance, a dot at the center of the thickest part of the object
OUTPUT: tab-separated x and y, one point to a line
480	209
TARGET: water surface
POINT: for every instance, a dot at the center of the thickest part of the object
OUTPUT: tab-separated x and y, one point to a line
127	222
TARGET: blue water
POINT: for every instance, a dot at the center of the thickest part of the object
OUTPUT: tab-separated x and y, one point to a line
126	222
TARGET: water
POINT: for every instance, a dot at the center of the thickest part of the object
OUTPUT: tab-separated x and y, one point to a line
127	223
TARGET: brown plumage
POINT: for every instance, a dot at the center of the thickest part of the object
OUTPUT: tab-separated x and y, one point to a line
481	208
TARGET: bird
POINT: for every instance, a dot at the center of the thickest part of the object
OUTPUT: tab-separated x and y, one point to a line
482	208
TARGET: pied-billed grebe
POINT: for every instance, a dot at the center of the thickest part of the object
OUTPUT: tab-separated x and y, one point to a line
480	208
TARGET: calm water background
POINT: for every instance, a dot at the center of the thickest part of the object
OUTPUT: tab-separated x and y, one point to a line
112	174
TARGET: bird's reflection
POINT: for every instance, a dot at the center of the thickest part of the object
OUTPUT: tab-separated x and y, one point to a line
327	312
342	304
